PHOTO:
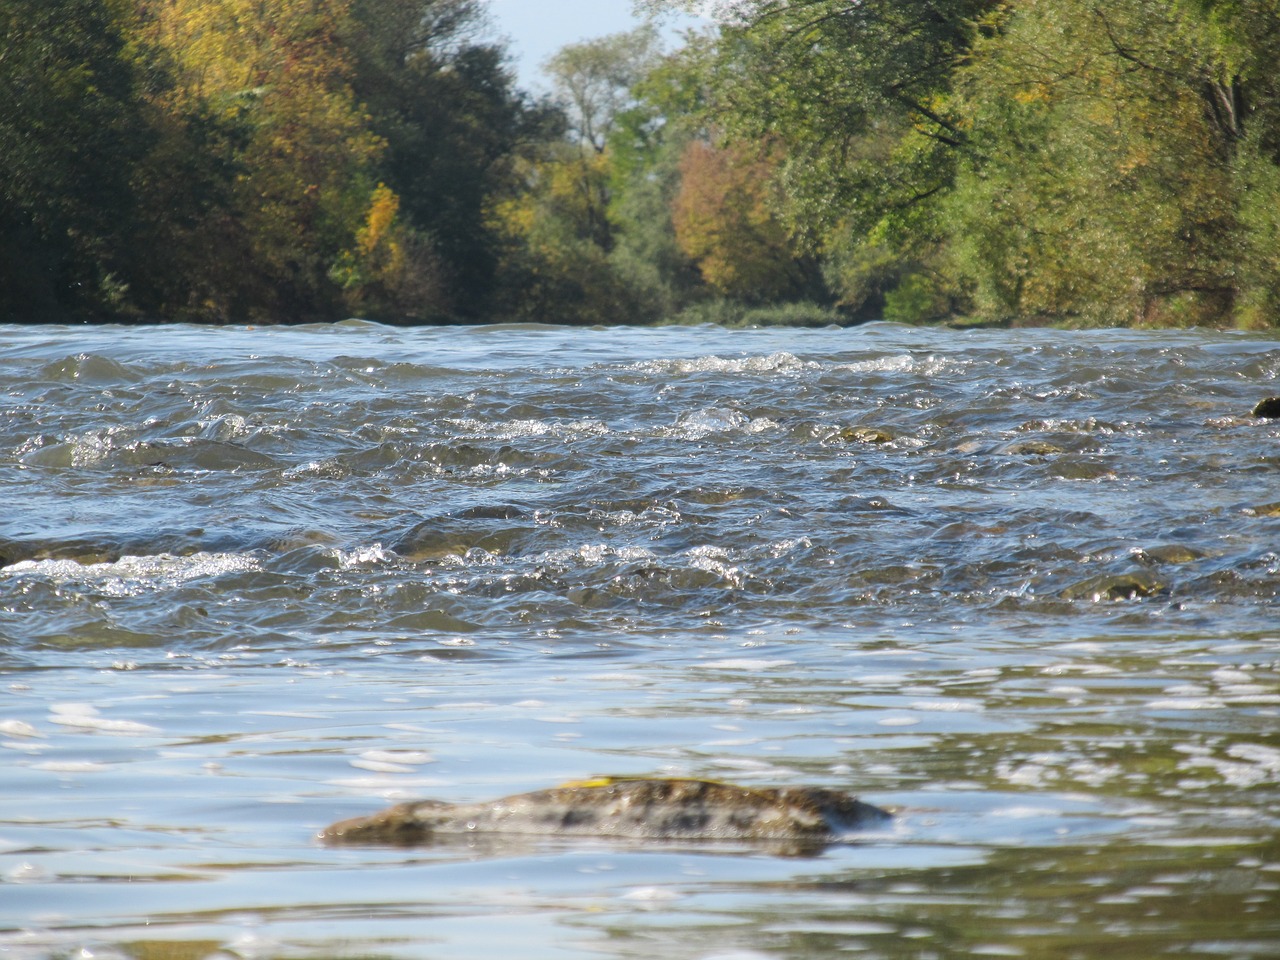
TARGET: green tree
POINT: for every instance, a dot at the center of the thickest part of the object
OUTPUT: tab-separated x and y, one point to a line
858	96
455	127
650	136
1103	181
71	127
280	75
561	231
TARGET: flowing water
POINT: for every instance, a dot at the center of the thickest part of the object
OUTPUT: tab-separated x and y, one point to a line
1020	587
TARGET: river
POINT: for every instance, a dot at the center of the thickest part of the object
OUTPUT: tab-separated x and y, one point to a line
1021	587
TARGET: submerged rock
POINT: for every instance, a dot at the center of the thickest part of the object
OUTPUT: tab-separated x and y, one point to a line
627	809
1031	448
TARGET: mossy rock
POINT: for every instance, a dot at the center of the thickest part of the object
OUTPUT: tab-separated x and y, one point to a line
1031	448
1169	553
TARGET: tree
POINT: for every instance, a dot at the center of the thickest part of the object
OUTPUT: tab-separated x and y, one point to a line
455	126
280	75
71	127
858	97
649	138
1102	185
723	222
561	229
593	81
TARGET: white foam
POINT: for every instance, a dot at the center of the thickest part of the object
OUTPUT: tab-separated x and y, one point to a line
650	894
412	757
947	706
83	716
361	556
130	576
27	872
18	728
1186	703
780	362
928	366
379	766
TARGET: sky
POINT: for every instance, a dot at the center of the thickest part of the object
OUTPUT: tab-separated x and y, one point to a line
536	29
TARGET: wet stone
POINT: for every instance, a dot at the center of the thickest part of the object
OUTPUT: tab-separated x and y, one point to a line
659	809
1124	586
1268	408
1168	553
873	435
1031	448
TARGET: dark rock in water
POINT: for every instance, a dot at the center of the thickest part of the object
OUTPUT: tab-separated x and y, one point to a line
1168	553
1268	409
865	435
627	809
1031	448
1123	586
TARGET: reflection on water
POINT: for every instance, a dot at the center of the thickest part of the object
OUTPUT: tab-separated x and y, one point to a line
1020	587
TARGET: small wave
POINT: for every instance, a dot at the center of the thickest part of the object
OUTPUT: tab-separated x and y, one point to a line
781	362
925	366
521	429
370	555
713	420
130	576
596	554
84	716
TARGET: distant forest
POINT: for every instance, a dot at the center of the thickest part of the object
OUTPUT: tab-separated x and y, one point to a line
280	161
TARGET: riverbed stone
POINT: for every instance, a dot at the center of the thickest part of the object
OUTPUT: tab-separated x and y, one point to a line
873	435
1268	408
1168	553
635	809
1031	448
1118	586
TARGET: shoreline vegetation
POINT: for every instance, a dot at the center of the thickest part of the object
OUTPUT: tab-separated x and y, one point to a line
804	162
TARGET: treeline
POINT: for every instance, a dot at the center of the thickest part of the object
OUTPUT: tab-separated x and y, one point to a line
1067	160
243	160
231	160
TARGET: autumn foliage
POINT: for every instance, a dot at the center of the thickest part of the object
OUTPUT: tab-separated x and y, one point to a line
724	223
1017	162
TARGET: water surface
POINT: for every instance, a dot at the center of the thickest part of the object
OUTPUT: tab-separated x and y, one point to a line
1022	587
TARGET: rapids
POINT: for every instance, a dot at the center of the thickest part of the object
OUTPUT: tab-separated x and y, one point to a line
1022	587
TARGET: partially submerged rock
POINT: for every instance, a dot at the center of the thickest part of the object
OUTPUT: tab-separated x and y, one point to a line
1168	553
865	435
627	809
1122	586
1268	408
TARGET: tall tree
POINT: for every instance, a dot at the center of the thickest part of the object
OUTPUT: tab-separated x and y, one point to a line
281	74
561	231
858	94
71	127
1103	185
724	223
445	103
